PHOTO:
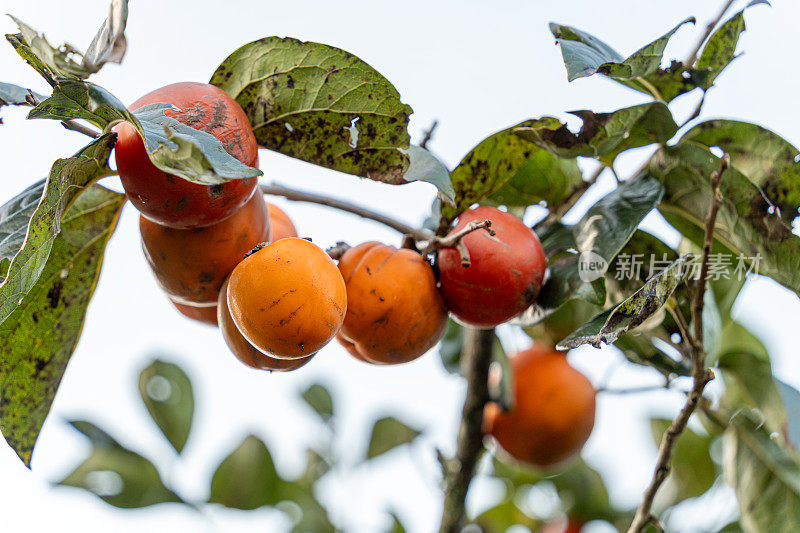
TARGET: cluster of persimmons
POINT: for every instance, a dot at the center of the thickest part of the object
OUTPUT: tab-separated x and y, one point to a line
226	257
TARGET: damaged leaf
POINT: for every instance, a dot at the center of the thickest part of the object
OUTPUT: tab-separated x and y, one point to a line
603	135
610	324
43	326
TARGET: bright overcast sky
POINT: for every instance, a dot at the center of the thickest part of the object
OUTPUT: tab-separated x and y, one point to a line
477	67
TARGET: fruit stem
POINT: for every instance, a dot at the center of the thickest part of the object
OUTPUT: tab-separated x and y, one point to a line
454	240
475	361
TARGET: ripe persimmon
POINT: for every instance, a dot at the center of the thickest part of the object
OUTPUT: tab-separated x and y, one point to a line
350	347
281	224
553	412
242	349
171	200
191	264
505	274
206	314
394	310
288	299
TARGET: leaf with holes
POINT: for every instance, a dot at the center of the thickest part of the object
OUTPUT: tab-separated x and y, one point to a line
49	61
320	104
68	178
765	474
40	333
610	324
747	224
389	433
603	135
167	393
247	478
117	475
319	399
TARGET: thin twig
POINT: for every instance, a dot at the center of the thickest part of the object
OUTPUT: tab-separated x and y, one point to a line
700	374
477	357
428	134
634	390
693	57
69	124
301	196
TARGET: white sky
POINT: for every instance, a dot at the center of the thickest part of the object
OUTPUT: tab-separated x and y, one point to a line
477	67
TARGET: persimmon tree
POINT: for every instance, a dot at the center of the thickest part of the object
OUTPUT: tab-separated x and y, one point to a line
730	188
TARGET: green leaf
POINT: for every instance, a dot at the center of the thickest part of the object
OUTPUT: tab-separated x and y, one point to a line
692	472
68	178
583	493
120	477
504	515
451	345
641	350
43	326
319	399
72	99
720	49
320	104
194	155
644	61
603	135
488	166
765	474
634	311
388	433
247	478
583	53
747	372
543	178
595	241
167	393
763	156
747	223
397	526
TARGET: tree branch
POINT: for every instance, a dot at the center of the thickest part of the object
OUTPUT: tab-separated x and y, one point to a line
301	196
454	240
700	374
428	134
475	361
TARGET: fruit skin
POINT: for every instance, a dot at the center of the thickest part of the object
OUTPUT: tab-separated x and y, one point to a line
394	310
553	412
505	274
243	350
206	314
351	348
281	224
171	200
288	299
191	264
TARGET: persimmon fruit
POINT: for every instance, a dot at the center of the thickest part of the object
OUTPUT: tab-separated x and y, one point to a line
288	299
242	349
394	310
207	314
505	273
282	226
171	200
553	411
191	264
